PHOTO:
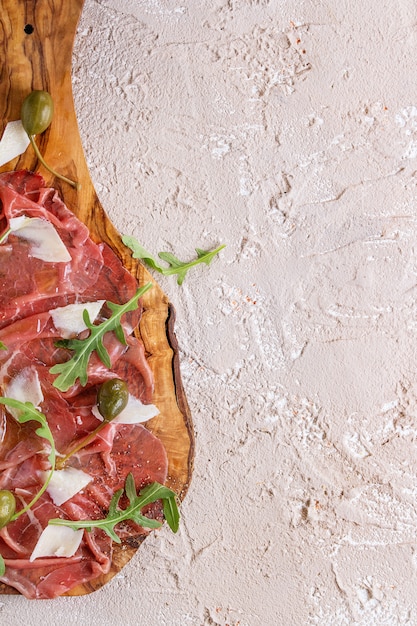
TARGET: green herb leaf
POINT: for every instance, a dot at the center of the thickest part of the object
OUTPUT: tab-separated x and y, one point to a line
171	513
175	265
27	413
3	346
150	493
5	234
2	566
139	252
76	367
130	488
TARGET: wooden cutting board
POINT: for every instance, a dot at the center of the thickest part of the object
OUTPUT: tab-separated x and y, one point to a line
36	42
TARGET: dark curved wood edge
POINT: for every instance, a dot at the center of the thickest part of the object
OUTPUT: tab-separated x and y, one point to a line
180	392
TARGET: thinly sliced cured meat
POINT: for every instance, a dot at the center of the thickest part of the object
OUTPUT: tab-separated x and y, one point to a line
53	576
31	285
31	289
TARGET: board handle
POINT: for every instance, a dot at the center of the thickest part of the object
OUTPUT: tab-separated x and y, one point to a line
36	44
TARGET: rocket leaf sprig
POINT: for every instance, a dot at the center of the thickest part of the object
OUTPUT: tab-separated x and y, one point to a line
76	368
152	492
175	266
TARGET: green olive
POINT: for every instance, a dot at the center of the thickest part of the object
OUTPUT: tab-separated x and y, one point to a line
7	507
112	398
37	111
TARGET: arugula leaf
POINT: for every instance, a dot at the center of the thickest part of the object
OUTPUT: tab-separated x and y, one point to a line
76	367
139	252
2	566
3	346
150	493
171	513
27	413
175	265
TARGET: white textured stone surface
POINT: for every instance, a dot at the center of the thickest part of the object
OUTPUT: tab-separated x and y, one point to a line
287	130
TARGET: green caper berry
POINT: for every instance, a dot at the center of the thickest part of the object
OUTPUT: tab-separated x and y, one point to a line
37	112
36	115
112	398
7	507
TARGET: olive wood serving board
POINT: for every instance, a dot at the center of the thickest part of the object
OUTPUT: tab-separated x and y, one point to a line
36	43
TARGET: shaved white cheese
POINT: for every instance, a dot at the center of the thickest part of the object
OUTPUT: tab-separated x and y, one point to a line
66	483
57	541
69	319
45	242
135	412
25	387
14	142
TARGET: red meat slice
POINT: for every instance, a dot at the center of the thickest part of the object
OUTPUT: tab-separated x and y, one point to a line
49	577
30	289
24	182
30	342
31	285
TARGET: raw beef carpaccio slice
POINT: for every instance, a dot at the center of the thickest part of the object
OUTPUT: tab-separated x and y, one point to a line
31	289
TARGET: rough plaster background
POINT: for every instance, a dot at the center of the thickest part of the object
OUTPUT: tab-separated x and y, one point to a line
286	129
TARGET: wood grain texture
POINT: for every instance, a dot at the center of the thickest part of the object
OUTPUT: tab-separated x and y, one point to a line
41	59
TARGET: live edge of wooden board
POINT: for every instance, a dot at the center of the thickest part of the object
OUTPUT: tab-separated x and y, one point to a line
36	43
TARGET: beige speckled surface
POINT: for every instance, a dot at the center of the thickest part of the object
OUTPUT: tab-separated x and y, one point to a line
287	130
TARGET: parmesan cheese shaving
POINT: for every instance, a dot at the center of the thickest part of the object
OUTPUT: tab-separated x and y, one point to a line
57	541
65	483
25	387
14	142
135	412
45	242
69	319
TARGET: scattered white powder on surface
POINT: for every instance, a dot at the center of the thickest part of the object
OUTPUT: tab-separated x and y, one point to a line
288	131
